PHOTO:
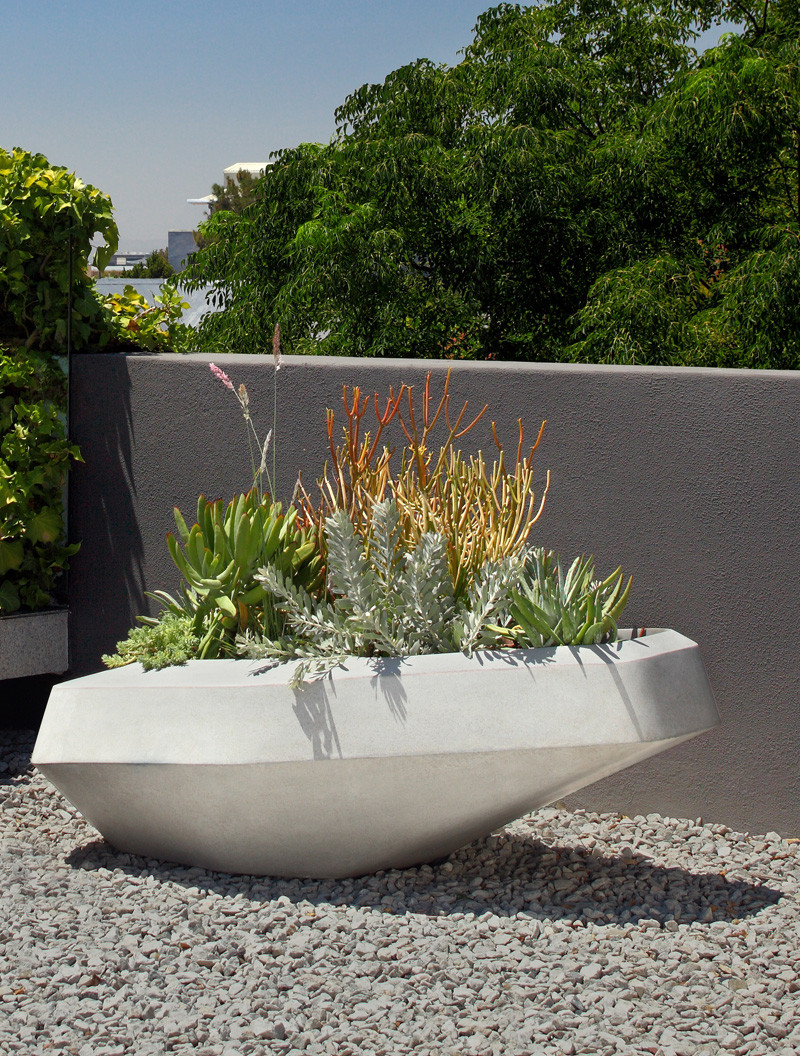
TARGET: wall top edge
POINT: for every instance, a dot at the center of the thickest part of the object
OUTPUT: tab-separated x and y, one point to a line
295	363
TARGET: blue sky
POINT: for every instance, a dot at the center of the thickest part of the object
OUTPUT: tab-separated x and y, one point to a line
150	101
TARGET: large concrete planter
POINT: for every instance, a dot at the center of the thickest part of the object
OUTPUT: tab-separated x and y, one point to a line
34	643
383	764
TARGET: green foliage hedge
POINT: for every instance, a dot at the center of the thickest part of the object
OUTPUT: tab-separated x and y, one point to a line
48	219
34	456
45	212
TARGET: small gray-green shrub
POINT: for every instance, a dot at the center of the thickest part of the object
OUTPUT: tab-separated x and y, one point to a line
383	600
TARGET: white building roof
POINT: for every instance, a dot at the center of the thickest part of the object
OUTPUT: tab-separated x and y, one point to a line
255	168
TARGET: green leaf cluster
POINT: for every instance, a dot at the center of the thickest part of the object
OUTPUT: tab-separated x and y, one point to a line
581	185
219	558
34	456
170	640
155	327
43	210
46	212
48	219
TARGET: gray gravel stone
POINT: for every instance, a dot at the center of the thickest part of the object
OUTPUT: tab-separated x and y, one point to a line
562	935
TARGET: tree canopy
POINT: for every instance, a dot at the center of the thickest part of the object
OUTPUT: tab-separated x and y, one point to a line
155	266
235	195
581	185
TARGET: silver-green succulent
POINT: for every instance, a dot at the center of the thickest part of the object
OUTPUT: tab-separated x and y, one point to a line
551	607
383	601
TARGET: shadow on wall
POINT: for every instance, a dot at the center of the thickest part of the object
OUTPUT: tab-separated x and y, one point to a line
103	507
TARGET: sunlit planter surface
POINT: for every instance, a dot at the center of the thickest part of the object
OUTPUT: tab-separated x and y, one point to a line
382	764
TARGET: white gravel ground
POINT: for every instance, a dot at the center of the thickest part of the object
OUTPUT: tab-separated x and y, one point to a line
562	934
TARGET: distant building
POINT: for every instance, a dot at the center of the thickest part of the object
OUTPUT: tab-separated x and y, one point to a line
123	261
180	247
253	168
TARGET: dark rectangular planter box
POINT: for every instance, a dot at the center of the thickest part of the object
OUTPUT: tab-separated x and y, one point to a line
34	643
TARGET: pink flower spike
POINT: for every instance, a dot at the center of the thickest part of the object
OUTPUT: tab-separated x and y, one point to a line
223	377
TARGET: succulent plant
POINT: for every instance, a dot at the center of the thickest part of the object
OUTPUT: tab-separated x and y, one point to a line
218	558
169	640
551	607
431	559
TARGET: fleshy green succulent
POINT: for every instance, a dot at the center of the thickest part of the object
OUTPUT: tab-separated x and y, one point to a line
219	557
169	640
551	607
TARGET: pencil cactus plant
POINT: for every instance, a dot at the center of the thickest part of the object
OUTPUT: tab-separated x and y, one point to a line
484	512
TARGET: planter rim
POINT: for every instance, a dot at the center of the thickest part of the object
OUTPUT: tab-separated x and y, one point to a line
270	672
241	710
50	610
34	643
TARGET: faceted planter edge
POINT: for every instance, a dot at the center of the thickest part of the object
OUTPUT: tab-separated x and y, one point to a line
382	764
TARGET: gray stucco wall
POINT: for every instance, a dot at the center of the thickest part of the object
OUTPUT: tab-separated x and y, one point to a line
689	478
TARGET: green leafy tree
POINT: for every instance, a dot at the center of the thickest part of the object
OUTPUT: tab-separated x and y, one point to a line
719	285
235	195
553	192
232	196
155	266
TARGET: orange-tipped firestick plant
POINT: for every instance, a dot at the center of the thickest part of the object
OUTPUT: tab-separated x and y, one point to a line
484	512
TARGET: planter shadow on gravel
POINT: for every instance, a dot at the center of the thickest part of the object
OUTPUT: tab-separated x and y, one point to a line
505	875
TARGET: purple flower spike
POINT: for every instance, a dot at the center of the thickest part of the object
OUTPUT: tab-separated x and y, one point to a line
223	377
